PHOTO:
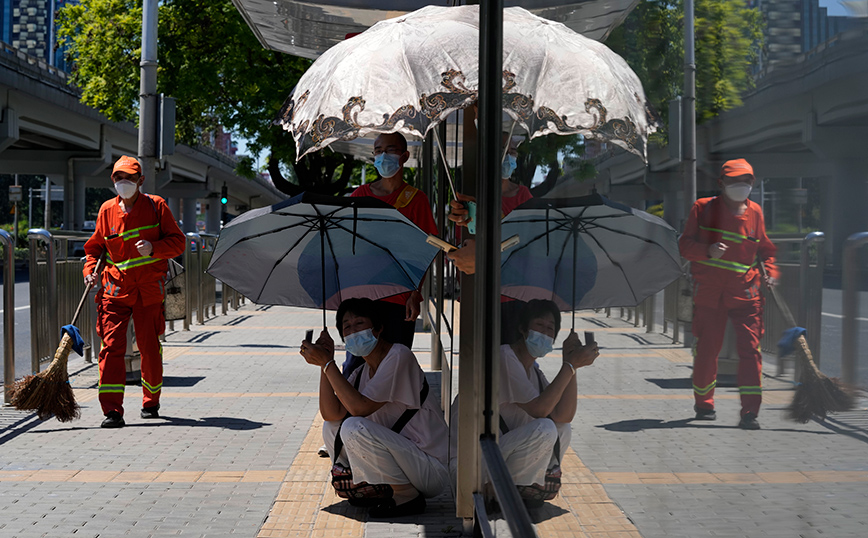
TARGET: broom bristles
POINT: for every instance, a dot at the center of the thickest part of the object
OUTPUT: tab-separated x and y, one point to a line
49	392
817	395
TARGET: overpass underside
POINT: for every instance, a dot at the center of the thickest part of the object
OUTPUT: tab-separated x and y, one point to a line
45	130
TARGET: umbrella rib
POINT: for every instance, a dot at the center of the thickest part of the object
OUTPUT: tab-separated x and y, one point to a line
384	249
616	264
634	236
280	260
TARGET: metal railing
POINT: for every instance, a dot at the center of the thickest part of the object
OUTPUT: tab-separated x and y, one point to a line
801	287
850	306
8	313
201	290
56	286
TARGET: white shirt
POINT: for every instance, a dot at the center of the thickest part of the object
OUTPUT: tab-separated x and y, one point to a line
398	382
517	386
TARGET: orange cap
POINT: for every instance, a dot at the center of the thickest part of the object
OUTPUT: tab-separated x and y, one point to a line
127	164
735	168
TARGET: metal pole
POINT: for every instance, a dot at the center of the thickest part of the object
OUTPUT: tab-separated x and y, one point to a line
148	96
52	333
8	313
804	267
30	210
46	218
188	256
650	307
689	111
51	33
488	193
15	224
850	306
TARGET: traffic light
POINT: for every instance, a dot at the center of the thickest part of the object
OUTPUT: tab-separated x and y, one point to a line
224	195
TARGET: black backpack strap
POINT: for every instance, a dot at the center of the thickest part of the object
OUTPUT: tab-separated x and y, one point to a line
339	444
399	424
410	413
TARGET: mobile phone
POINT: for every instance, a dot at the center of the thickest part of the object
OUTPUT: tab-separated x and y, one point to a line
471	215
509	243
308	336
441	244
589	338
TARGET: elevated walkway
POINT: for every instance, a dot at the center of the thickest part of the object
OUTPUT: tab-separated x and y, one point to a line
236	453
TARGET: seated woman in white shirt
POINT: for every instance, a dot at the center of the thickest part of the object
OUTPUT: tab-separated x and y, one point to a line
535	414
391	450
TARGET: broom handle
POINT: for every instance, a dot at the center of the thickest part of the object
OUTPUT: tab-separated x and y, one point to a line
785	310
97	271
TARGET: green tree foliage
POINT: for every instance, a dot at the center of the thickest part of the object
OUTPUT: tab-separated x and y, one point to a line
209	60
728	41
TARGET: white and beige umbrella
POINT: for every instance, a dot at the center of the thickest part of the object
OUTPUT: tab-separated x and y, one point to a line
409	73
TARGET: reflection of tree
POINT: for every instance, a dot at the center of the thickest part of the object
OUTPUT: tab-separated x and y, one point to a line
209	60
728	41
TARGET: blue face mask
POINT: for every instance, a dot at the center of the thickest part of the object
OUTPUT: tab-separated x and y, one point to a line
538	344
387	164
507	167
361	343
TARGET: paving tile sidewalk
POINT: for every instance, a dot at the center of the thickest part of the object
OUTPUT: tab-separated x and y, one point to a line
236	453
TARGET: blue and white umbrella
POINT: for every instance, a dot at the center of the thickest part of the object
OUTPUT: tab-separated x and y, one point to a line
315	251
587	252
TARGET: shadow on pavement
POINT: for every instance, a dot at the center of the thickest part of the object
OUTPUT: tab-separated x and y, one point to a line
638	425
181	381
229	423
343	508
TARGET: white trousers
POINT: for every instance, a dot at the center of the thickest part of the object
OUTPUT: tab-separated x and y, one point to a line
378	455
528	450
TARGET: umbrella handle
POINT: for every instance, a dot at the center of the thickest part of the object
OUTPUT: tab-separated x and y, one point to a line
445	162
99	266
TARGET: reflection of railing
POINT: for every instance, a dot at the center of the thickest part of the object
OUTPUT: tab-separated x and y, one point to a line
56	286
850	306
801	287
8	313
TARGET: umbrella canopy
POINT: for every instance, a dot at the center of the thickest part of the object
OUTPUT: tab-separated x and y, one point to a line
587	252
408	73
315	251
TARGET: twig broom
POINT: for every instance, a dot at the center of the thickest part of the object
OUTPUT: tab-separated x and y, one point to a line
49	392
816	394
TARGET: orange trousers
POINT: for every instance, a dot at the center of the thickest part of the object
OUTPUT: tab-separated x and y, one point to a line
113	318
709	326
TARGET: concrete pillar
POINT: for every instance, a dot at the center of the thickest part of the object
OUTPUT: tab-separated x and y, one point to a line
78	216
212	221
672	209
174	206
189	215
69	199
850	190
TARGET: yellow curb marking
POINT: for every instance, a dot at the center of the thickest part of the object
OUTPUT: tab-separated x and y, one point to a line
306	507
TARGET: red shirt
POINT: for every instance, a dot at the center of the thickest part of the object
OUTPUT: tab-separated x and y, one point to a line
127	271
736	273
507	204
414	205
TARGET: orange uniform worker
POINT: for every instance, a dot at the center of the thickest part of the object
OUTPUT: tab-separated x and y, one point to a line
725	239
138	234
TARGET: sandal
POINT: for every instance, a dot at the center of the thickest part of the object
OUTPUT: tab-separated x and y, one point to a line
535	495
361	494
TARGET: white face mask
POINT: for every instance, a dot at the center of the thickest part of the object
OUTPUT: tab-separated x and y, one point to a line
126	188
737	192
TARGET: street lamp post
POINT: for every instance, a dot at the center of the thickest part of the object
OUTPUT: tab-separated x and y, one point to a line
148	96
689	111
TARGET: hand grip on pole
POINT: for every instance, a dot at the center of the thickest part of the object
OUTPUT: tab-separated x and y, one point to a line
97	270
